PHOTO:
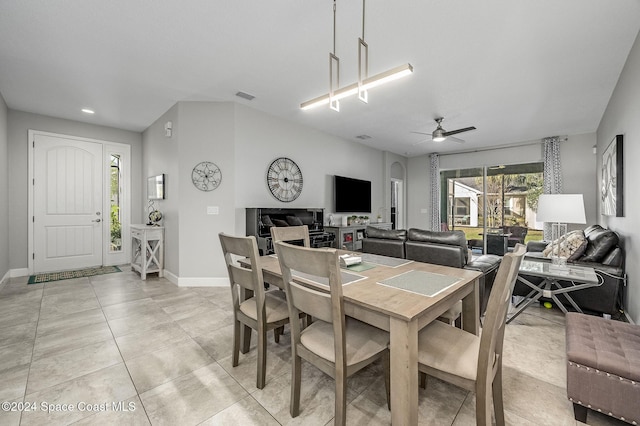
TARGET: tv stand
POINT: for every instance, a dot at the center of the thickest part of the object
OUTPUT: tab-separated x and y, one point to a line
350	237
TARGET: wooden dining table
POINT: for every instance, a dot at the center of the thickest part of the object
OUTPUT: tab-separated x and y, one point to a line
400	312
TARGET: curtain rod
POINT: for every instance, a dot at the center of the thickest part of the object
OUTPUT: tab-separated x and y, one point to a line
469	151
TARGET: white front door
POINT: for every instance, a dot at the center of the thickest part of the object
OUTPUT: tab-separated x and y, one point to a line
67	203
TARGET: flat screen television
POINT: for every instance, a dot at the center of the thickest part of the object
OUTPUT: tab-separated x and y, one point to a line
155	187
352	195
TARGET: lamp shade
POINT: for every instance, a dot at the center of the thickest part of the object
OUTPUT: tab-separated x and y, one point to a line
565	208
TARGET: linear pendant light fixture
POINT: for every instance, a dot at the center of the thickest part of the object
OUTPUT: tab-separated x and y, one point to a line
364	82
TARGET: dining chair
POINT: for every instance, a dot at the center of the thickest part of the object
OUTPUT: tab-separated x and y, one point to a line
291	233
337	345
469	361
262	311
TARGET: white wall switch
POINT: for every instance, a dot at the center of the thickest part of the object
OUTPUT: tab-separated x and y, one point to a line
213	210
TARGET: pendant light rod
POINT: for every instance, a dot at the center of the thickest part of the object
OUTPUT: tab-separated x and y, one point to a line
334	63
352	89
364	83
363	72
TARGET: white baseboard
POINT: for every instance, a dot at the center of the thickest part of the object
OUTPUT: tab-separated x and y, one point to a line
195	281
629	320
6	276
20	272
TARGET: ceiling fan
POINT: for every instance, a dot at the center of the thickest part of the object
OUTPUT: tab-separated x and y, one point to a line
439	134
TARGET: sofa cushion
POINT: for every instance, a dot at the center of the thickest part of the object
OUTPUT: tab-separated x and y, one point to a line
386	234
454	238
383	247
601	241
279	222
571	246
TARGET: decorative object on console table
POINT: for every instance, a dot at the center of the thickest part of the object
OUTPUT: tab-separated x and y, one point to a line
154	215
560	209
147	254
612	191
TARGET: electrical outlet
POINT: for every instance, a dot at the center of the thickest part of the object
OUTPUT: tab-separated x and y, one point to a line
213	210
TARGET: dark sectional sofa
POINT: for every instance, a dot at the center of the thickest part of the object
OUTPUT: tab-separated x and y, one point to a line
448	248
603	253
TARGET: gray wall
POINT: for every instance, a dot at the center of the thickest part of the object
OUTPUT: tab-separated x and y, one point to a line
622	117
242	142
19	124
160	155
578	172
4	192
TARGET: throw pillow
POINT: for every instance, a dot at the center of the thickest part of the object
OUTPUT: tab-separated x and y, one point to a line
266	221
569	244
279	222
601	241
294	221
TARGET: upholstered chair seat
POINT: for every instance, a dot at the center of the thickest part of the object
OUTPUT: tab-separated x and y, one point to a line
362	340
275	308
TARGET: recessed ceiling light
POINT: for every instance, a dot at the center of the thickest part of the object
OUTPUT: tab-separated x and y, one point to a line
88	111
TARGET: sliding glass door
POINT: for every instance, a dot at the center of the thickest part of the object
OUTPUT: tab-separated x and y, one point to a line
494	206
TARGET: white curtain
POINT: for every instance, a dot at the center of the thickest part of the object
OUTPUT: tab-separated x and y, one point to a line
552	173
434	176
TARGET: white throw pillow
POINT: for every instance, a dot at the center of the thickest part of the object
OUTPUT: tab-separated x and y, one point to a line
570	243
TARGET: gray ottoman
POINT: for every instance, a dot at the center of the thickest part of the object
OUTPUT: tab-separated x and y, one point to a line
603	367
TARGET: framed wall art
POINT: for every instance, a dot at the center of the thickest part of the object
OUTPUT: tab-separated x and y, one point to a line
611	192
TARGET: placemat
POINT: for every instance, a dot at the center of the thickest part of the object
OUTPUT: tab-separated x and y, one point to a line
347	278
393	262
426	283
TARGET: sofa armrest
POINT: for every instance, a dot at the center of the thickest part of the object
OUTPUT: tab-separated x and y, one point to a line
536	246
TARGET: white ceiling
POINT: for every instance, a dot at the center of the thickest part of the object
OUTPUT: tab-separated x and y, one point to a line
518	70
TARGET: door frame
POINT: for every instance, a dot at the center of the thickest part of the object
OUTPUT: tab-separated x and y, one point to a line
108	147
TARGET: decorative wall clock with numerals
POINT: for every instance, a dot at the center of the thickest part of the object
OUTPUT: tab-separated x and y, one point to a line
284	179
206	176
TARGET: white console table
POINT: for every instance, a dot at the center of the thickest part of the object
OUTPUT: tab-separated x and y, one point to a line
147	255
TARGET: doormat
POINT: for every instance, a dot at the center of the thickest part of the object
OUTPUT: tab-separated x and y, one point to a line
67	275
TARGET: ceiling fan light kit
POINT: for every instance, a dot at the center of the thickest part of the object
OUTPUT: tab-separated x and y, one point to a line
440	135
364	83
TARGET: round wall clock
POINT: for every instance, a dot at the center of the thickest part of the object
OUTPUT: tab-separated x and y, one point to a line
206	176
284	179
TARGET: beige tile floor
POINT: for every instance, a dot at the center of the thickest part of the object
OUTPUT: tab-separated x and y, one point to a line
72	349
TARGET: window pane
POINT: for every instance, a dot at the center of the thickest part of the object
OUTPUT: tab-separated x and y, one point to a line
115	220
510	202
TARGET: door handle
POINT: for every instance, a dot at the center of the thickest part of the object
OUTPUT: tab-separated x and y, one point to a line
97	220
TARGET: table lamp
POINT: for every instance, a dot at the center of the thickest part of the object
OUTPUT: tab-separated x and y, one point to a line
560	209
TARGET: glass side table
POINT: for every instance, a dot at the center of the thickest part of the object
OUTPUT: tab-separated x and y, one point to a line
577	278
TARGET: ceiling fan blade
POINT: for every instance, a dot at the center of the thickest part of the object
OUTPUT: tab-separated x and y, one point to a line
453	139
455	132
421	133
422	141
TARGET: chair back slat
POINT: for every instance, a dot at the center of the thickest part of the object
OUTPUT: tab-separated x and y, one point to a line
243	277
492	337
291	233
314	303
247	278
322	263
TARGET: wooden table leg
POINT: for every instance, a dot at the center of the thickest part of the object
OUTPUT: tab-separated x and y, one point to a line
404	371
471	310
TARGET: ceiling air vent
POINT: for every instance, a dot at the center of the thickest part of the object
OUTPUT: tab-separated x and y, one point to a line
245	96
